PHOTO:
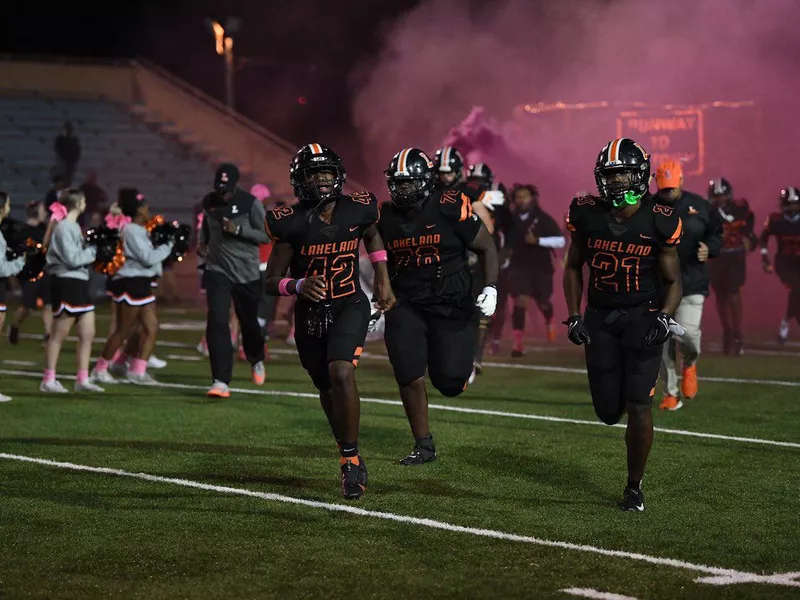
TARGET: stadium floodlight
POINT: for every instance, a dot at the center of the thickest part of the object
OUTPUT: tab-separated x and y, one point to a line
224	46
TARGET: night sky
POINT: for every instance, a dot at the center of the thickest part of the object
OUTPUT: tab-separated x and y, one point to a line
285	51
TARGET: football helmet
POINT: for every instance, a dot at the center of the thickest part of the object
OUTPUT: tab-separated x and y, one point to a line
449	160
790	199
619	160
481	172
720	189
410	178
310	160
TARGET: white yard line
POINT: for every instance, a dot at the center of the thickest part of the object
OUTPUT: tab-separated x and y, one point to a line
715	575
491	363
457	409
595	594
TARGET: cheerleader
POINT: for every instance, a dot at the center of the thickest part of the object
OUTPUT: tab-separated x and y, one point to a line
133	295
68	263
8	268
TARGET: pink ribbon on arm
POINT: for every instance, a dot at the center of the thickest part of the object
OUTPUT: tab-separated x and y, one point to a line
58	212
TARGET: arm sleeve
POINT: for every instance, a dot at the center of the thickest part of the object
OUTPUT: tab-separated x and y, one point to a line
139	247
9	268
550	235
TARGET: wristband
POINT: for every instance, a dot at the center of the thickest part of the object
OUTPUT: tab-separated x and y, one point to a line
377	256
284	284
298	286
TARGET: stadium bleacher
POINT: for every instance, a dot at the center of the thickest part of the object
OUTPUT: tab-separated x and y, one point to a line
115	143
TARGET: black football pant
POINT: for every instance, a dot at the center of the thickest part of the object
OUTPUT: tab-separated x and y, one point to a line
416	340
246	296
621	368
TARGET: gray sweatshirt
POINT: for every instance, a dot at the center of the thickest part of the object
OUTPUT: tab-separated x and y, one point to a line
9	268
142	259
235	255
67	256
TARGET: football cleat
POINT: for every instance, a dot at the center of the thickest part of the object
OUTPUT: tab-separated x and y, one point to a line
632	500
689	382
670	403
419	456
354	482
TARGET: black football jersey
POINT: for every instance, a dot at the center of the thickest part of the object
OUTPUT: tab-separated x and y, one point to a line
623	256
738	224
786	230
532	257
428	249
327	249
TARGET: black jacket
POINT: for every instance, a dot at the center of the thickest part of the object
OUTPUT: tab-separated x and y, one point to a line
700	224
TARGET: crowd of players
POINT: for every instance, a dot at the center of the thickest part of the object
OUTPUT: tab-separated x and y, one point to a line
448	249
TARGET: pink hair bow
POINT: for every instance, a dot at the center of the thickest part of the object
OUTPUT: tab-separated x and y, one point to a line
117	221
59	211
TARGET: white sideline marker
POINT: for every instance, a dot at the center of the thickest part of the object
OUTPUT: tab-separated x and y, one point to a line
718	575
458	409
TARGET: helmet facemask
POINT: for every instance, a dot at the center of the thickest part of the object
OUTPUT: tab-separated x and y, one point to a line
316	186
407	192
621	185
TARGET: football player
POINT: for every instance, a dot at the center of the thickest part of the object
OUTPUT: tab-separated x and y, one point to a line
427	232
491	199
318	241
535	235
784	226
629	244
728	271
702	240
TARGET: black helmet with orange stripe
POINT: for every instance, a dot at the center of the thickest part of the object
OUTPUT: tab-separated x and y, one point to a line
449	166
481	172
622	172
410	178
790	199
316	175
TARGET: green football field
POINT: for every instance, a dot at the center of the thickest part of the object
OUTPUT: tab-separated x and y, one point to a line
163	493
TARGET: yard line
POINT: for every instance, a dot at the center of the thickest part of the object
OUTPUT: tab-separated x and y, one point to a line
717	575
595	594
457	409
524	367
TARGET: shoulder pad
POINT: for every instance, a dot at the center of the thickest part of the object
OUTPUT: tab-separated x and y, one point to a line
278	222
363	197
456	204
578	206
668	224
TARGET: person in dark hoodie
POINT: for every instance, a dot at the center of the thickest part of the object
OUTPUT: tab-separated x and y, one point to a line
702	240
68	153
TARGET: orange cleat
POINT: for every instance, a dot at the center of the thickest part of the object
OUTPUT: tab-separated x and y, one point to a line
259	373
551	333
670	403
689	382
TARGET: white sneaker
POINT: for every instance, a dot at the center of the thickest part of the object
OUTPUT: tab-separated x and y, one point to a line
219	390
88	386
118	371
142	379
783	331
101	376
155	363
4	398
53	387
202	349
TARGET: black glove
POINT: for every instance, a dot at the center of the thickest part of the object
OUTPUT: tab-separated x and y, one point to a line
659	331
576	331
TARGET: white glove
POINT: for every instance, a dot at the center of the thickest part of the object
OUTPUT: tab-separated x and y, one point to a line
493	198
487	301
372	327
676	328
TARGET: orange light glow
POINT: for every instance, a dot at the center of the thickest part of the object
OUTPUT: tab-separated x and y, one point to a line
219	36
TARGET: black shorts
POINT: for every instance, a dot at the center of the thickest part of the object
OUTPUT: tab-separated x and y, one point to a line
727	274
344	339
416	340
32	292
788	271
621	368
133	291
70	296
3	306
532	283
